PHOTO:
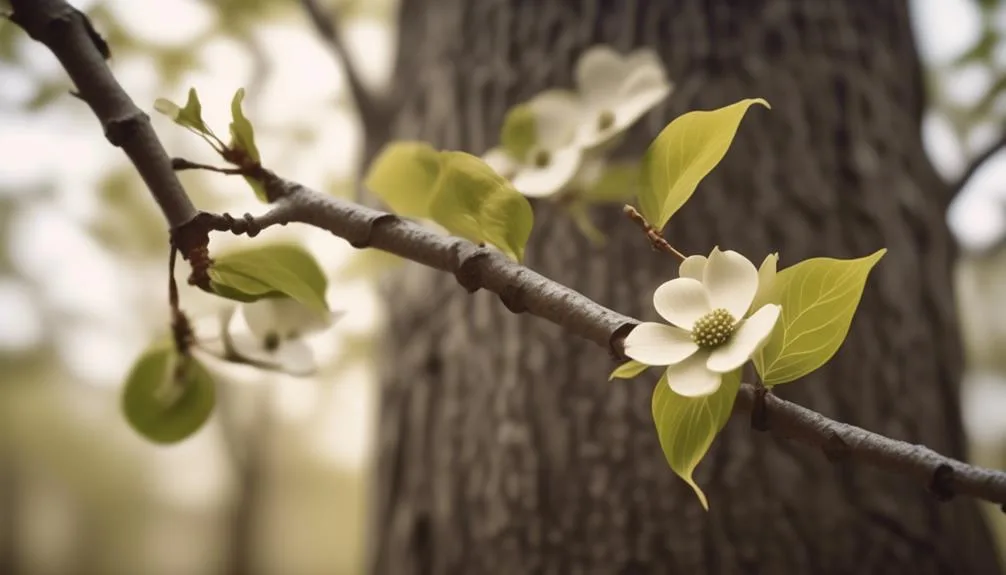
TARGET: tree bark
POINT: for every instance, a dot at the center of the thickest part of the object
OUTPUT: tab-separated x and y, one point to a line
504	449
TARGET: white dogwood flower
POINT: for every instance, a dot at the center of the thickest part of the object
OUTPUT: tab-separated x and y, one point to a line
276	328
615	91
709	335
553	160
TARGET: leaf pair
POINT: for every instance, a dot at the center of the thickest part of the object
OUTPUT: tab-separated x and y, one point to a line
277	270
241	151
454	189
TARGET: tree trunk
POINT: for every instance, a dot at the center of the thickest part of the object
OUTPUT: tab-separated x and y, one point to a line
504	449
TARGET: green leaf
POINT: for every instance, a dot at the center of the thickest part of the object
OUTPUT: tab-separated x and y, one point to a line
519	133
243	139
819	297
472	201
687	426
191	116
618	183
580	215
167	397
275	270
404	175
628	370
242	133
683	154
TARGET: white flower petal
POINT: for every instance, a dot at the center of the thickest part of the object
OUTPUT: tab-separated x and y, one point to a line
290	356
536	182
693	267
766	280
659	344
557	114
499	160
690	378
641	92
284	317
681	302
748	338
599	74
731	280
643	58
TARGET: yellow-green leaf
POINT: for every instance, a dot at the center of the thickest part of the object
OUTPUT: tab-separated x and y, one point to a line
618	183
683	154
270	271
472	201
243	139
242	133
687	426
167	397
819	297
191	116
628	370
519	134
403	175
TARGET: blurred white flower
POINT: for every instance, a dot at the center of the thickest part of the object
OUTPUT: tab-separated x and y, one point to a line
553	160
709	335
274	340
615	91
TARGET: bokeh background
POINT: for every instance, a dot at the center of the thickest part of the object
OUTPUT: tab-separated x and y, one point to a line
278	481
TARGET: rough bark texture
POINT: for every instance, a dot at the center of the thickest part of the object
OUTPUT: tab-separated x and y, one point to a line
503	447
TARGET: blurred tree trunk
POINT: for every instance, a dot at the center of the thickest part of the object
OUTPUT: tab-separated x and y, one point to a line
503	449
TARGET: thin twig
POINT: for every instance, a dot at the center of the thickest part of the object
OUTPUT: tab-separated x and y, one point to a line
373	109
53	22
656	240
976	163
180	164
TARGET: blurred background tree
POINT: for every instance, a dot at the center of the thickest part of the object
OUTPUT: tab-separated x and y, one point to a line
281	480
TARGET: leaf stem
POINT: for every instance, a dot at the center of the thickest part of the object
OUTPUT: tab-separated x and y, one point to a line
656	240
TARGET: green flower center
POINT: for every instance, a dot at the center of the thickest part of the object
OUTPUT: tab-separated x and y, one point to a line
713	329
271	341
605	120
541	158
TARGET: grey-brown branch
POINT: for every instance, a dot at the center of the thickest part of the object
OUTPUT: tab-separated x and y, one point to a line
82	52
68	34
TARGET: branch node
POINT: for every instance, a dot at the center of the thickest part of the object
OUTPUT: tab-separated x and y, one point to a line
759	410
512	297
469	272
835	448
942	483
616	343
96	38
364	240
119	130
276	188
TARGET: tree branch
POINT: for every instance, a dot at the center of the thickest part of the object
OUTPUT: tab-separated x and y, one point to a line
976	163
374	110
64	29
82	52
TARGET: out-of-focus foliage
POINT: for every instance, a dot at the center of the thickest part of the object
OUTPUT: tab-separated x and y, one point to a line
120	504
